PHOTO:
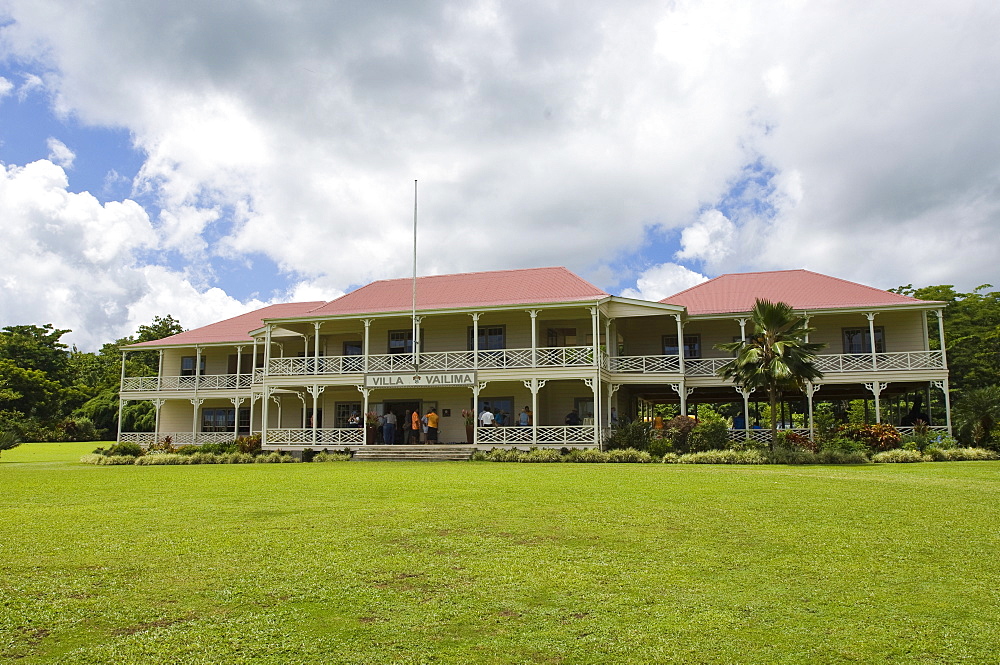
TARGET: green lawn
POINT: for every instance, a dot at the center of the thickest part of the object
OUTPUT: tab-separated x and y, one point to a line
496	563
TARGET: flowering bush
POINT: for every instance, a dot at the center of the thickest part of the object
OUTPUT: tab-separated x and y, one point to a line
469	417
876	438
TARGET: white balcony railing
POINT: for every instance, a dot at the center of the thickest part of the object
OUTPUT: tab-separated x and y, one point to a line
570	356
558	435
203	382
146	439
324	436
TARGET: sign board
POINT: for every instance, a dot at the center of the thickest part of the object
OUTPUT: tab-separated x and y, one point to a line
420	380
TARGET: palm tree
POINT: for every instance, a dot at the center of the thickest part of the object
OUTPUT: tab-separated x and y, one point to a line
8	440
977	414
774	357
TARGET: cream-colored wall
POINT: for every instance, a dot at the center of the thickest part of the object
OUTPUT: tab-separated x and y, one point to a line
175	416
903	331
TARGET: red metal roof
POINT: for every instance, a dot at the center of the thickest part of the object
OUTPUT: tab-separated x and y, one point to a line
802	289
236	329
475	289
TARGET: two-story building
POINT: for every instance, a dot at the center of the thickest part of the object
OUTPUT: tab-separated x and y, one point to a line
539	339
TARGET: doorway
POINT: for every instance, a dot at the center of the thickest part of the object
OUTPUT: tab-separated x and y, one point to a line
400	408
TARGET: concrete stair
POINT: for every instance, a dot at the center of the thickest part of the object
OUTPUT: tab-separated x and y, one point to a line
439	453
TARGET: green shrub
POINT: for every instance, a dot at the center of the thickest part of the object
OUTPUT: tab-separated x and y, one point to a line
330	457
117	460
796	441
969	454
635	434
897	456
248	444
837	457
163	459
504	455
843	445
876	438
586	455
77	428
91	458
660	446
677	430
710	434
541	455
478	456
274	458
723	457
219	448
125	448
629	456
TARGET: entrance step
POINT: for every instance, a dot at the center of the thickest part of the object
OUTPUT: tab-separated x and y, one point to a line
413	453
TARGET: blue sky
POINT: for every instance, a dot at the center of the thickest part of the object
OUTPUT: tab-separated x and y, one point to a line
203	160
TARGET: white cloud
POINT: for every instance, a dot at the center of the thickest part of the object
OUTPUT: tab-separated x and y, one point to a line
70	260
663	280
5	87
545	134
59	153
709	239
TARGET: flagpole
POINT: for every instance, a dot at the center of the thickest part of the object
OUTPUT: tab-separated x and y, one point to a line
416	327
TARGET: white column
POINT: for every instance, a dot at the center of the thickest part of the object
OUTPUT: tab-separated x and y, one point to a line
475	340
743	329
239	368
364	409
944	351
746	407
534	385
253	368
157	404
197	369
121	402
534	338
680	347
926	334
253	398
236	413
267	349
265	397
595	316
595	387
159	371
876	388
476	389
316	391
871	336
805	316
368	325
811	389
195	403
317	325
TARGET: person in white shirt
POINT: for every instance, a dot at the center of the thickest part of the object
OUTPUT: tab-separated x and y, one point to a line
486	418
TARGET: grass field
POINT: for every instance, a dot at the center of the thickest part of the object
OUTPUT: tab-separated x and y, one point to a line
496	563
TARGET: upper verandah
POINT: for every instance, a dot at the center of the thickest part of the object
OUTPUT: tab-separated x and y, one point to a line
734	293
803	290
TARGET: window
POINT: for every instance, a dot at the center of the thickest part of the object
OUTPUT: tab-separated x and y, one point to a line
561	337
343	411
401	341
858	340
490	338
187	365
692	346
354	348
502	408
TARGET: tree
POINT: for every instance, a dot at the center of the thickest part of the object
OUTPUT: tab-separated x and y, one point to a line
774	357
977	415
8	440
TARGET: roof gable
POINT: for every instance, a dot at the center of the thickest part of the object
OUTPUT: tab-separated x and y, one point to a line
236	329
477	289
802	289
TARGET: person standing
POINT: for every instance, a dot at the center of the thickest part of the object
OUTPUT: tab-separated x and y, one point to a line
573	418
414	427
389	429
525	419
432	426
486	418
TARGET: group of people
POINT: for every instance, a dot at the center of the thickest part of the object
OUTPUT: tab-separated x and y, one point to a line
414	425
487	418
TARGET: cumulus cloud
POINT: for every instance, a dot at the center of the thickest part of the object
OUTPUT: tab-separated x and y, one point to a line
59	153
72	261
764	135
709	239
663	280
5	87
